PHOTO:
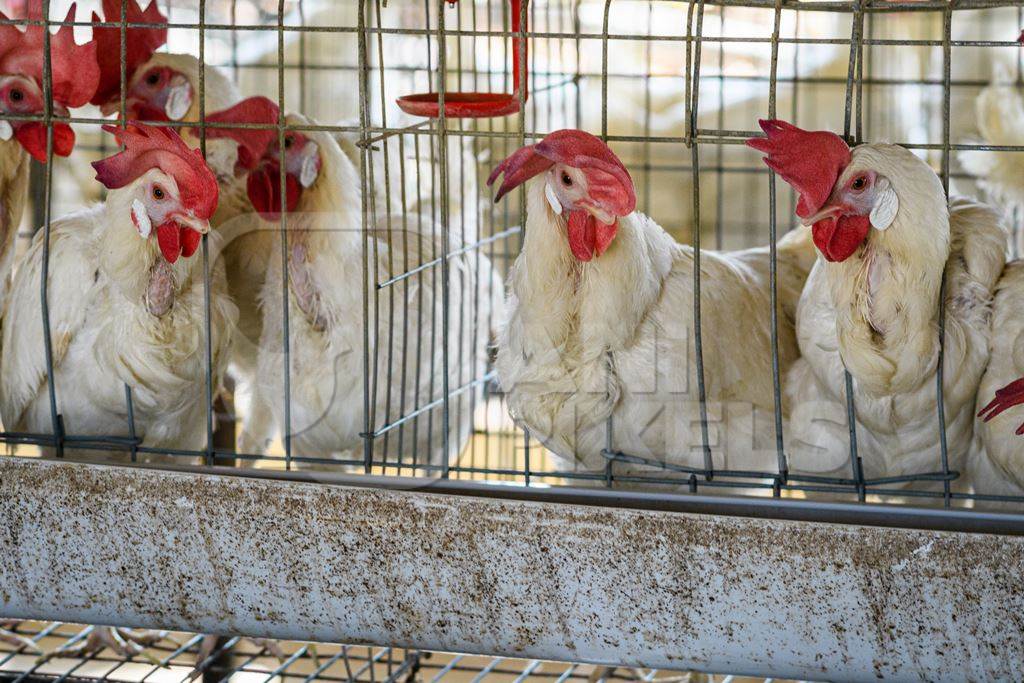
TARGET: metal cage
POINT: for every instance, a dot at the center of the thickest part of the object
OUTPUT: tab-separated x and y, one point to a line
673	87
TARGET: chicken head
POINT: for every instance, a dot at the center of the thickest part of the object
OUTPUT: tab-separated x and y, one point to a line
586	185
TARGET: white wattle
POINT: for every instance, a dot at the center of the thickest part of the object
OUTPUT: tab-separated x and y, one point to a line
549	193
178	102
884	211
141	219
309	172
6	130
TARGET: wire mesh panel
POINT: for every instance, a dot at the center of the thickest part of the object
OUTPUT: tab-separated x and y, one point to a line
173	658
379	295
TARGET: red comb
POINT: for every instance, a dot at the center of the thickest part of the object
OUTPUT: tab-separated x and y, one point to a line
252	142
140	44
147	147
606	174
585	151
73	68
810	161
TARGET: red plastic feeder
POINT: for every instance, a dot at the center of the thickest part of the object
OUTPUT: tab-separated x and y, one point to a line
474	105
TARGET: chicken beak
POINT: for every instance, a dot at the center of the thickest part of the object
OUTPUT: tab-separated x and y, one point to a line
825	213
114	107
197	224
601	214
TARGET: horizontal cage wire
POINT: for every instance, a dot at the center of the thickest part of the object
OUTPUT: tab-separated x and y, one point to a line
175	658
409	386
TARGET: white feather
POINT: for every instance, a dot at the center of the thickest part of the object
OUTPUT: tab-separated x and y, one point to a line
885	209
179	101
141	219
876	316
310	157
104	337
549	194
614	339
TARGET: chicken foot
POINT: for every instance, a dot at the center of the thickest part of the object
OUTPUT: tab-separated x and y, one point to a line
125	642
209	644
16	639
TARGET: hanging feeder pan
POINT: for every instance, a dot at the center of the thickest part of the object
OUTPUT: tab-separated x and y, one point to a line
475	105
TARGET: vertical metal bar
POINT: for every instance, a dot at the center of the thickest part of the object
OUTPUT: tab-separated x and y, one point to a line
55	418
370	201
283	225
478	255
609	443
206	241
604	71
851	410
577	29
371	197
442	144
695	173
720	148
303	104
940	373
434	184
773	260
233	14
520	142
403	206
131	421
364	124
646	155
420	236
795	111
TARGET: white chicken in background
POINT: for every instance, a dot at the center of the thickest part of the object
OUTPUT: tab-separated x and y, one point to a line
999	112
887	237
162	86
600	323
245	242
325	294
75	75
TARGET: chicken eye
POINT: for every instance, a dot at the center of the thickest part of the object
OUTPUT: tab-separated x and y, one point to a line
17	95
288	142
158	192
860	183
566	180
153	78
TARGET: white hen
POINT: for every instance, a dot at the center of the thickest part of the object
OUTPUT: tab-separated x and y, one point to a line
1000	118
325	294
888	237
601	323
126	305
996	466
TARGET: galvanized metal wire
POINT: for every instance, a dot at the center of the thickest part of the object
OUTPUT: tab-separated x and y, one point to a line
175	657
468	47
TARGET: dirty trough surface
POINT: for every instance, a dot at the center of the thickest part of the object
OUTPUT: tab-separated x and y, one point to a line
174	657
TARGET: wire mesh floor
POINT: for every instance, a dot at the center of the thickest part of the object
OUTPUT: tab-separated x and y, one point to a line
174	658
